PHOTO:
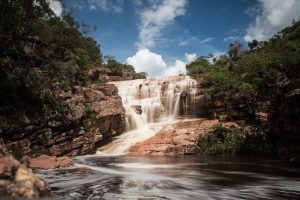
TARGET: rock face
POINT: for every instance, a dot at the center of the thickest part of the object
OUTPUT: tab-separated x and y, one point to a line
180	139
285	123
16	180
50	162
85	116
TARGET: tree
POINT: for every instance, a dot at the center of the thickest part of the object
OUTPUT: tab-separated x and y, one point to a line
253	44
141	75
234	49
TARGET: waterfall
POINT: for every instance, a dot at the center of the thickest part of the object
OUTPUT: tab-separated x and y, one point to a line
150	105
146	102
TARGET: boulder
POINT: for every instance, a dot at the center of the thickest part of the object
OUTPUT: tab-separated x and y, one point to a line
17	181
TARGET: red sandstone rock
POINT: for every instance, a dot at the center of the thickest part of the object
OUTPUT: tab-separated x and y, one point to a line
90	114
50	162
180	139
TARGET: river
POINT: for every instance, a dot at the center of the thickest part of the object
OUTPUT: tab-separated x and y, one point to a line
152	105
186	177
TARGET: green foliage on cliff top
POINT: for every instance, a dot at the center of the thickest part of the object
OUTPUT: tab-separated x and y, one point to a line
41	54
250	75
123	70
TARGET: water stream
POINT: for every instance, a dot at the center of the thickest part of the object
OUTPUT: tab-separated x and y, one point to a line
124	177
152	105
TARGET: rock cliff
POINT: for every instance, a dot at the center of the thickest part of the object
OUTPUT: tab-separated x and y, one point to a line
285	123
82	118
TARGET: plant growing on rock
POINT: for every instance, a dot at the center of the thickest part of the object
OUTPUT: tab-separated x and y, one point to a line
244	140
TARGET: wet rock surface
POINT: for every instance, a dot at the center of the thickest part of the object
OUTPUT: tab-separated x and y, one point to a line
180	139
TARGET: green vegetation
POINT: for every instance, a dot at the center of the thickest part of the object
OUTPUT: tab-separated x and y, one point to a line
268	72
249	76
41	54
245	141
88	112
123	70
18	153
36	150
141	75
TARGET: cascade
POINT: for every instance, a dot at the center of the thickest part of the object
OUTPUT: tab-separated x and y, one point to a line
150	105
146	102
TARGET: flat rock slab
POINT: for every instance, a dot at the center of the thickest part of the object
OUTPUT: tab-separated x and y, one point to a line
50	162
180	139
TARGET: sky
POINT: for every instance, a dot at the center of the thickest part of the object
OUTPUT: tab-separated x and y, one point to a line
161	36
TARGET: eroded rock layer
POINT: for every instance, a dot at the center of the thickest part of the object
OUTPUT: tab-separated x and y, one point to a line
84	117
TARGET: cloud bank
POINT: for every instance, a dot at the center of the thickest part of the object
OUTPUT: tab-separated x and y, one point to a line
274	16
152	63
56	7
155	18
114	6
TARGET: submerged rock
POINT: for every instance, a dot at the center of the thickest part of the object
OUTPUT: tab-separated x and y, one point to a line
137	109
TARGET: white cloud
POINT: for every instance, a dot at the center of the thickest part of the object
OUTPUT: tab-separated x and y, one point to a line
146	61
115	6
193	40
93	7
137	2
275	15
152	63
56	7
206	40
216	55
183	42
175	70
159	15
190	57
231	38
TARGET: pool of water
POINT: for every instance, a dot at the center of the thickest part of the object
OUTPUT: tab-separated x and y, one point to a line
125	177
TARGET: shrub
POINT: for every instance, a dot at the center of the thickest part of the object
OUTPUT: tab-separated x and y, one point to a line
245	140
88	112
17	153
36	150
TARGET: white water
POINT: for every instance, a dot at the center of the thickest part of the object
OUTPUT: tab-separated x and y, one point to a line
149	108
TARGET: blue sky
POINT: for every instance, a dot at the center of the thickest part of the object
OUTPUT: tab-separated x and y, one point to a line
161	36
